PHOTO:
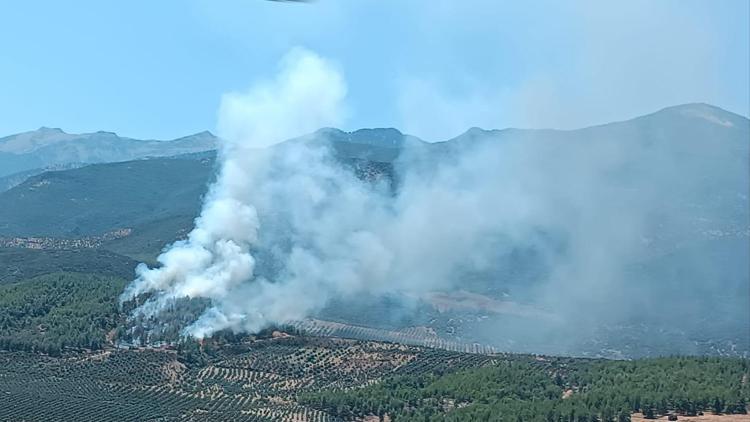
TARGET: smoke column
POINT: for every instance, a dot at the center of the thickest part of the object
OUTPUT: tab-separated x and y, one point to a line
216	258
589	227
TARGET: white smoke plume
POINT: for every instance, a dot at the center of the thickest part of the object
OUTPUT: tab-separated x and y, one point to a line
285	229
216	258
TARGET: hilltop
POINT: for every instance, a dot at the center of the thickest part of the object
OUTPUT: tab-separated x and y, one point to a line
105	197
50	148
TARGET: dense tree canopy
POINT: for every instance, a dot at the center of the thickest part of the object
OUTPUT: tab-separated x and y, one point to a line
56	311
536	391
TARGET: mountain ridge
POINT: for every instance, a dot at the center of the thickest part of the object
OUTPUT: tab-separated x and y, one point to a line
45	148
684	110
390	135
19	142
683	124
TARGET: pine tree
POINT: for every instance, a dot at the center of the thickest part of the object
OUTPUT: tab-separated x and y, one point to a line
717	406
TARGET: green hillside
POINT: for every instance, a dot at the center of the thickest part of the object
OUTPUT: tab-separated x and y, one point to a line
95	199
53	312
22	263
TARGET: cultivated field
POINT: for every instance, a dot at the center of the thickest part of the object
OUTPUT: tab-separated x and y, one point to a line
296	378
702	418
256	381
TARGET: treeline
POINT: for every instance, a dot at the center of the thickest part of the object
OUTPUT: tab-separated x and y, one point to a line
62	311
20	264
582	391
54	312
686	385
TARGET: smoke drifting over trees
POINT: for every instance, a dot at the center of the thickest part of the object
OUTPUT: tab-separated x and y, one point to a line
615	215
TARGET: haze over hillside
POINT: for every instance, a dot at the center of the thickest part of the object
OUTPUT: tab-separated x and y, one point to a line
88	200
52	147
700	215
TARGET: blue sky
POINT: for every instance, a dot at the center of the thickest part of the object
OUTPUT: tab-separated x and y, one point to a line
157	69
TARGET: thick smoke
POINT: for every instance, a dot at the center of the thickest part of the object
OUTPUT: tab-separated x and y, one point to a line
215	259
285	229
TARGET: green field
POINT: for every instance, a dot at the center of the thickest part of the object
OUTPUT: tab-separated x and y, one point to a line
324	379
60	360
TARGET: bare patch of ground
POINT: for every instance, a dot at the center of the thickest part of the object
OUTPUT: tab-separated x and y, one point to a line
708	417
462	300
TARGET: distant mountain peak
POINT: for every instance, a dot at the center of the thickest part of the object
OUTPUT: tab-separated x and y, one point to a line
49	147
476	133
694	106
708	112
29	141
45	129
385	131
377	137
